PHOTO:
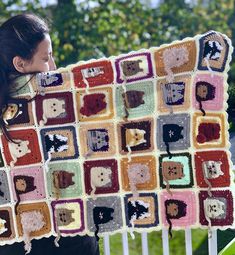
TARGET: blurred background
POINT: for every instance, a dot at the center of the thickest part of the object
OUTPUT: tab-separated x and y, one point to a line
82	30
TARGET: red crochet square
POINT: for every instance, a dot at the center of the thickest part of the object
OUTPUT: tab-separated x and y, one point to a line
108	175
102	74
28	154
223	180
55	108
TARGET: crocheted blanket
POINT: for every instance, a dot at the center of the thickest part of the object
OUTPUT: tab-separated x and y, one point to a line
134	142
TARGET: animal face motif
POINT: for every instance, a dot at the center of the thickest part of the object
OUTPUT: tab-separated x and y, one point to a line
131	67
214	208
102	215
172	133
212	169
135	136
100	176
138	173
98	140
12	111
62	179
212	50
208	132
92	72
52	108
3	229
64	216
174	93
24	184
93	104
48	79
138	210
18	150
204	91
172	170
56	143
133	98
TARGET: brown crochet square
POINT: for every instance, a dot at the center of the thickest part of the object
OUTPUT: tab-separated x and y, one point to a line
6	214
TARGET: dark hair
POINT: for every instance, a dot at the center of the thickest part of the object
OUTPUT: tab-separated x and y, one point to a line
19	36
181	211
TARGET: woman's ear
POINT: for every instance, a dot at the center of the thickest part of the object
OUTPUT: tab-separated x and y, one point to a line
19	64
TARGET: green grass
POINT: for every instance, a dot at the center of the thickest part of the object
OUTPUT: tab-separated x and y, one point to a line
177	245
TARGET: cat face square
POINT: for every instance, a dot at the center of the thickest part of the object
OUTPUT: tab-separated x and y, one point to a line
28	183
173	96
23	86
96	142
173	133
104	214
137	101
18	112
59	143
173	59
139	174
96	73
33	218
135	136
214	50
95	106
141	212
4	188
101	176
68	216
208	92
178	208
7	231
218	209
64	180
51	82
209	131
212	167
176	171
134	67
25	151
55	108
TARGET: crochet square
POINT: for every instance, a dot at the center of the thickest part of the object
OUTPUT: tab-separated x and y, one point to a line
218	208
184	203
51	81
68	216
104	214
97	141
177	170
209	131
101	176
134	67
208	91
137	101
212	167
139	173
55	108
173	132
28	183
141	212
97	105
64	179
18	113
4	188
59	143
7	230
175	58
174	96
213	52
22	86
135	136
95	73
25	151
40	208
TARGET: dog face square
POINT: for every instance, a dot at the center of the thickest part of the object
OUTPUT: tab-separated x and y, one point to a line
68	216
4	188
218	209
134	67
7	230
101	176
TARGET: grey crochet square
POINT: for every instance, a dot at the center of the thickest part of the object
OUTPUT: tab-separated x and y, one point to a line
181	128
4	188
113	212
